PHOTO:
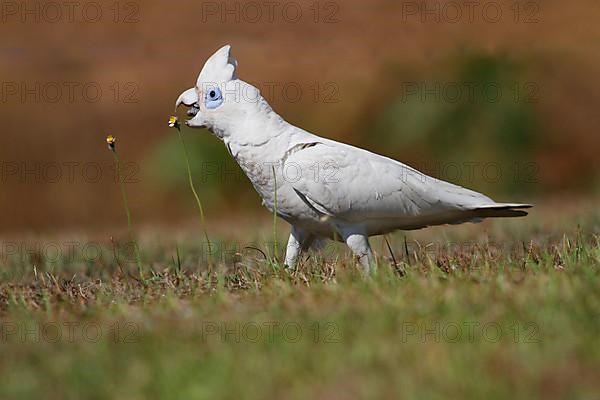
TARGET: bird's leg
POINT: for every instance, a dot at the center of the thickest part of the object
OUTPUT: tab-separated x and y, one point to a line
292	252
359	244
298	242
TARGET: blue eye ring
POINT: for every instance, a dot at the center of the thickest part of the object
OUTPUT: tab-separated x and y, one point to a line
213	98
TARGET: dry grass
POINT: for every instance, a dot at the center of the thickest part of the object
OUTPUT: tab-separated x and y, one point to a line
526	311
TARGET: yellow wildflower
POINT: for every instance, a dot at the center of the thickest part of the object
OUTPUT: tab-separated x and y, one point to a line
173	122
110	141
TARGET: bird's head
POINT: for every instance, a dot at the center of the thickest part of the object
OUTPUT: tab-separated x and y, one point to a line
220	101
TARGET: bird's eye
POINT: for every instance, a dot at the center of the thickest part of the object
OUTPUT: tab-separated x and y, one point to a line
214	98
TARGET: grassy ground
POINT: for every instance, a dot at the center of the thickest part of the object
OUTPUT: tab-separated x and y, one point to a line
496	310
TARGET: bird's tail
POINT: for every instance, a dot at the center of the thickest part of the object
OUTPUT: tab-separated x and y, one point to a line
496	210
501	210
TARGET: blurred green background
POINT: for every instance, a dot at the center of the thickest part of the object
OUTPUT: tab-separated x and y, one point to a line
507	107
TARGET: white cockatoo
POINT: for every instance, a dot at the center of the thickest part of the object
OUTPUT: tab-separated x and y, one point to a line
323	188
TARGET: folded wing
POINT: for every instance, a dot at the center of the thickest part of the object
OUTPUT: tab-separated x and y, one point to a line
356	185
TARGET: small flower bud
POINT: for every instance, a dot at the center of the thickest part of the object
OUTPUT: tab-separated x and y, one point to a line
173	122
110	141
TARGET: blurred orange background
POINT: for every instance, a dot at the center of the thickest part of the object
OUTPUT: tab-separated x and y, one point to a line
380	74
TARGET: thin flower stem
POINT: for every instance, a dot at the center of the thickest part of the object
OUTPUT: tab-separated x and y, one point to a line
127	211
198	202
275	246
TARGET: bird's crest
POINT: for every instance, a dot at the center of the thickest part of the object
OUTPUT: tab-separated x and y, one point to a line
219	68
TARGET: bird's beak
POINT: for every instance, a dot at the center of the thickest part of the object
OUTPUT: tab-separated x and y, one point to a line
189	98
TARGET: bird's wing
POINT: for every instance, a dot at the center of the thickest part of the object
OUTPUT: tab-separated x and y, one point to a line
349	183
